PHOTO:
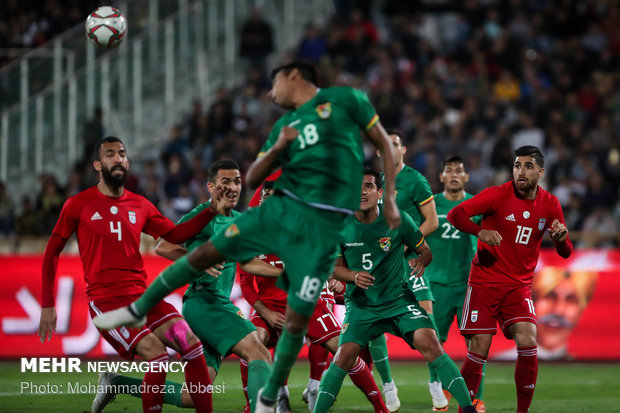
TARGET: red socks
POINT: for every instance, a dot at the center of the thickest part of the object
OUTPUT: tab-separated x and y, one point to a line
526	372
362	378
243	366
367	357
317	355
152	397
471	370
197	379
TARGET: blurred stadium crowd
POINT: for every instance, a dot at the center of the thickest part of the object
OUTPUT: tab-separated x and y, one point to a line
478	80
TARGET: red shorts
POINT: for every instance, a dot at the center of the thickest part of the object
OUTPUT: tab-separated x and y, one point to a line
485	306
124	340
322	325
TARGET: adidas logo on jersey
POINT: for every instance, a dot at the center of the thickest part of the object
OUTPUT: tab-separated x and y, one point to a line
95	216
510	217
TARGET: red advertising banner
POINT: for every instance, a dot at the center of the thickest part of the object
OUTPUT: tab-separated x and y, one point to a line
575	301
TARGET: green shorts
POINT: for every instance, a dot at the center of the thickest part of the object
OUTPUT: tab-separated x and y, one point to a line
218	323
420	286
448	303
305	238
401	318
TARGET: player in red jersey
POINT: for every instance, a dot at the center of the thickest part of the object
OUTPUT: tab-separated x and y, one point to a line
269	304
108	221
515	216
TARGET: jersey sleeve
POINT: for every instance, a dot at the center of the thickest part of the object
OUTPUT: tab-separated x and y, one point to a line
156	224
412	236
422	193
481	204
68	220
361	110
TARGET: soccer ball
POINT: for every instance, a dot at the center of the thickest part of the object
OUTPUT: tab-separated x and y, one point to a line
106	27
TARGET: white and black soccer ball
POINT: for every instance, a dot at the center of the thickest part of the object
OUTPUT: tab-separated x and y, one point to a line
106	27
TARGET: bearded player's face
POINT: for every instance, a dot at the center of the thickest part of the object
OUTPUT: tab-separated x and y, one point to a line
113	163
526	173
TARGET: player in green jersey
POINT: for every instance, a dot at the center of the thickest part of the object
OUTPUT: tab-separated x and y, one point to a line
318	145
414	196
207	298
378	299
448	276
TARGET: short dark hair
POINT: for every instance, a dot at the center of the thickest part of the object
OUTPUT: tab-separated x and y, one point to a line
216	166
307	71
395	131
107	139
376	174
451	159
268	185
534	152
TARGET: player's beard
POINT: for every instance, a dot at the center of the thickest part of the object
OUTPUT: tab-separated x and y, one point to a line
114	181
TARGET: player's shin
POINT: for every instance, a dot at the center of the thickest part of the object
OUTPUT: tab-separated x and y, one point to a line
286	353
329	388
173	277
452	380
379	352
258	374
197	378
526	372
362	378
154	380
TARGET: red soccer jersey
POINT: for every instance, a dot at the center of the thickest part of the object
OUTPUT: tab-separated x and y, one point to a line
521	223
273	297
108	235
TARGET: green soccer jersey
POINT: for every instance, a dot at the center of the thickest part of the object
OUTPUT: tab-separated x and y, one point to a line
223	283
456	248
412	192
377	249
323	167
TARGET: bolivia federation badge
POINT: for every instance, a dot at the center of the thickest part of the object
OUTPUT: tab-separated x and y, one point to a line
324	111
385	243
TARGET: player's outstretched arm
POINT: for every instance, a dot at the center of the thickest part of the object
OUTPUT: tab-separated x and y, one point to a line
382	142
264	165
260	268
47	323
169	250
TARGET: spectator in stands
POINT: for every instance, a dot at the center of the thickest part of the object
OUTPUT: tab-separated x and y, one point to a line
6	212
256	39
27	223
49	202
312	46
93	131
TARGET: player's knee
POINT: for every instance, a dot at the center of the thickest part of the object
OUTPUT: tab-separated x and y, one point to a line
427	343
150	347
525	336
251	348
345	356
480	344
181	334
295	323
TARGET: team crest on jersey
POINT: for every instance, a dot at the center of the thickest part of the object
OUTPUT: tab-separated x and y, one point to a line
240	314
474	316
132	217
541	224
231	231
344	328
385	243
324	111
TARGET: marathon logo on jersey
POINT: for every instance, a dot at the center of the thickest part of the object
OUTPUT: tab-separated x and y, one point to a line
324	111
541	224
385	243
474	316
132	217
231	231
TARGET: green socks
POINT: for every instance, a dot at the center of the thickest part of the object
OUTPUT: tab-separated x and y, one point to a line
173	277
285	356
258	374
379	353
133	389
329	388
434	376
479	394
451	379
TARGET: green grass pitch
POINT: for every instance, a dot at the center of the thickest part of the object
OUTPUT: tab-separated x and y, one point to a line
571	387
